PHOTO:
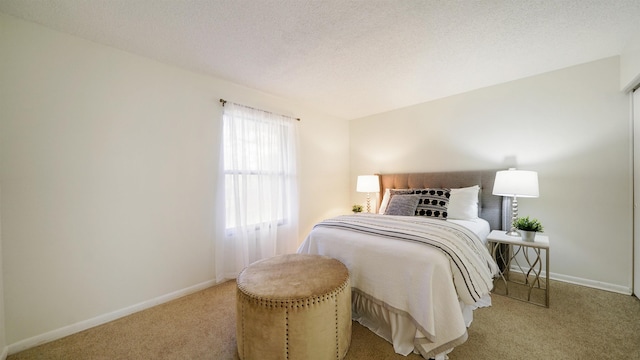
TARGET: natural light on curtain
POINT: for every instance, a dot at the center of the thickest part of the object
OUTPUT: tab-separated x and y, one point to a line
259	186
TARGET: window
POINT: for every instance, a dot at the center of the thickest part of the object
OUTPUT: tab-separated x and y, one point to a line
258	217
259	167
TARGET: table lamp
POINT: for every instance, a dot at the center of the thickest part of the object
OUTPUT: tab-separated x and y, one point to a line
516	183
368	184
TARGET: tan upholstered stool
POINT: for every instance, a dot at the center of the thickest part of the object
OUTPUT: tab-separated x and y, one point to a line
294	307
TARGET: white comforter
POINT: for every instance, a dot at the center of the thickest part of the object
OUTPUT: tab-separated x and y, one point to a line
421	277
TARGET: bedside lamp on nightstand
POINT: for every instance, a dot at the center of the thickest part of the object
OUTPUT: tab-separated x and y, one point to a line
516	183
368	184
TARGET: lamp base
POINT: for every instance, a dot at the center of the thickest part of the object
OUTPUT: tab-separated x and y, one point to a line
514	215
512	232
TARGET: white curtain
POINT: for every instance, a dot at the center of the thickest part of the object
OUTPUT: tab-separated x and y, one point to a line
259	187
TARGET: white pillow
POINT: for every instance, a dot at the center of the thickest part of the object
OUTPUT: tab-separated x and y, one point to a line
463	203
385	201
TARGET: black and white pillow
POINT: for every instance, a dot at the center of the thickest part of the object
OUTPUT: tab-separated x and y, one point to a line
433	202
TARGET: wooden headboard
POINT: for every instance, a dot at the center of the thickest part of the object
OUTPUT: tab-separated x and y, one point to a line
492	208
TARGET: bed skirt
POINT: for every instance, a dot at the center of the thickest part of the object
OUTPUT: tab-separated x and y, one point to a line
401	330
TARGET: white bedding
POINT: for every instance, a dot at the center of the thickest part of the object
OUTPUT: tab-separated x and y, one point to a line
479	226
403	290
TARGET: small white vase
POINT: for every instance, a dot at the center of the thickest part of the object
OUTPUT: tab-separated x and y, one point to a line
529	236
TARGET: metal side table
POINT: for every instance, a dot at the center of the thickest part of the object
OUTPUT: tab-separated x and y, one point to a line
526	276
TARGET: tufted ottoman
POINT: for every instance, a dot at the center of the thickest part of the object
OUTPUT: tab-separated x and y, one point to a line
294	307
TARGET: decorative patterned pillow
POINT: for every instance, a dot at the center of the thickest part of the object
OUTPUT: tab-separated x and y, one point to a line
402	205
433	202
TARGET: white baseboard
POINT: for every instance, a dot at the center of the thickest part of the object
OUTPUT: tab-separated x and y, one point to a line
592	283
583	282
5	353
99	320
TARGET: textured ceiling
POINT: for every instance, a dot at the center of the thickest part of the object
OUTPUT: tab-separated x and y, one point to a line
351	58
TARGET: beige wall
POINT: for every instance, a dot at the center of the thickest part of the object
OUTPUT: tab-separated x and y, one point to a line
109	164
571	125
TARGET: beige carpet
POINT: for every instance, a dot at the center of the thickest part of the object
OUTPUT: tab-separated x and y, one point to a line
581	323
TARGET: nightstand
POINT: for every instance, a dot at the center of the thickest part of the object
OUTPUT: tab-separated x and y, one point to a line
520	281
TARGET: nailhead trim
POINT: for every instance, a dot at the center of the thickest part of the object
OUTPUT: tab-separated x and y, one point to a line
337	332
293	302
286	336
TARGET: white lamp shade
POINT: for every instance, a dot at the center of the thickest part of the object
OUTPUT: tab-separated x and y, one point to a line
520	183
368	183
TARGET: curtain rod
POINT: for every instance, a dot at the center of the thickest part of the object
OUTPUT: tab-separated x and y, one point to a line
223	101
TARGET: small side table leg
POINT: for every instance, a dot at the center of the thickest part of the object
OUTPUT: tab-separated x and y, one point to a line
547	277
496	248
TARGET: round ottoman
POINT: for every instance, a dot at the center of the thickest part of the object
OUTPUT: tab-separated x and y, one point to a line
294	306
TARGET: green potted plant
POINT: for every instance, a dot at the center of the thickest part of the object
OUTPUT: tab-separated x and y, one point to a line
528	227
356	208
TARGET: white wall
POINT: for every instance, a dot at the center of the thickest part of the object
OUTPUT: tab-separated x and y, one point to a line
108	169
571	125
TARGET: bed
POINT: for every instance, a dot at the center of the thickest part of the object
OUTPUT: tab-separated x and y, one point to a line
416	277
